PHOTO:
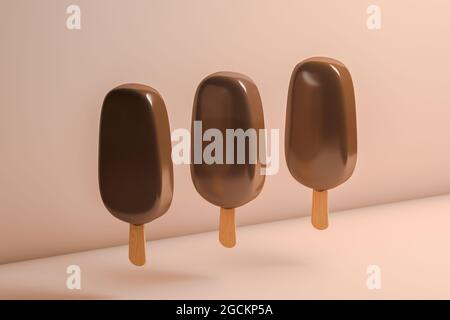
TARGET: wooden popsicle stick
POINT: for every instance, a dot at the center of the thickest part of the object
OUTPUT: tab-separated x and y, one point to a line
319	215
227	228
136	252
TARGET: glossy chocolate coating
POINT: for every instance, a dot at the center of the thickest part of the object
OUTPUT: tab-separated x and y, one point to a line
228	100
320	137
135	165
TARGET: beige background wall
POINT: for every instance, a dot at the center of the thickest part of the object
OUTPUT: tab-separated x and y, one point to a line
52	83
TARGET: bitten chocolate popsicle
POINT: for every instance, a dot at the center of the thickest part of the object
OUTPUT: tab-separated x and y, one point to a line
320	141
135	165
228	104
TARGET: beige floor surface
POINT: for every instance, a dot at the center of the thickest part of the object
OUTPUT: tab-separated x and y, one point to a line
287	259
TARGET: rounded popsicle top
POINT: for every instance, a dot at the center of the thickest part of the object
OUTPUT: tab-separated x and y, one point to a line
135	164
227	103
320	136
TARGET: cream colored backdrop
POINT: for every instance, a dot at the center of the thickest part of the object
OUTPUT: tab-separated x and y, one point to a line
53	81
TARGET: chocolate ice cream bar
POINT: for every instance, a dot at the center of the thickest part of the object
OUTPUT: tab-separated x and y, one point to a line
320	136
227	104
135	165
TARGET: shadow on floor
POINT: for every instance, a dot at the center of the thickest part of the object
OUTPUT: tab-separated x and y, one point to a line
257	259
146	277
35	294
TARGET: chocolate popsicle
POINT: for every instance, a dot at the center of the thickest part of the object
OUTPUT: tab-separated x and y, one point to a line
320	137
135	165
227	100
